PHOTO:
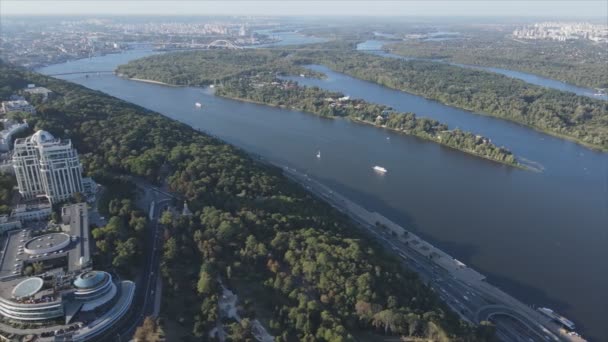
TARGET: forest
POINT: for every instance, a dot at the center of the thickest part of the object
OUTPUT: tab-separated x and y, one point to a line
314	100
576	62
251	75
211	67
7	184
318	277
559	113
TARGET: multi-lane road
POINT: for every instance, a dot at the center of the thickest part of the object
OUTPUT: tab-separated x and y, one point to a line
474	301
144	303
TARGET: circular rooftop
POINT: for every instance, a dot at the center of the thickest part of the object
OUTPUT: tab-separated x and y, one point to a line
42	137
47	243
28	287
90	279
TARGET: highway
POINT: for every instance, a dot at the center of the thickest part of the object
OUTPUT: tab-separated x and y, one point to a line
474	301
144	301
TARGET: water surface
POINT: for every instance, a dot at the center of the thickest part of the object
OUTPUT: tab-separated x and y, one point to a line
542	237
375	46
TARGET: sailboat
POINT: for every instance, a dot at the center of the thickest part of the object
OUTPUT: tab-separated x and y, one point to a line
319	154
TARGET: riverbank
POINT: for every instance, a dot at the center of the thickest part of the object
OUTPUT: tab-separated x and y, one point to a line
482	92
467	151
477	112
473	153
148	81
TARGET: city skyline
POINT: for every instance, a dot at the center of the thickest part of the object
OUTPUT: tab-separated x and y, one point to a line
569	9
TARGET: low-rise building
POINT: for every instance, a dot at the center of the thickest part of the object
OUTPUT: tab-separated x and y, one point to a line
8	223
17	106
10	129
64	288
42	91
31	212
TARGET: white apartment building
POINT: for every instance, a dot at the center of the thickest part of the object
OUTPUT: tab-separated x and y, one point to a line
47	167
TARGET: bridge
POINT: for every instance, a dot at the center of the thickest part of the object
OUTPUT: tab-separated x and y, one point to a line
372	50
216	44
221	43
82	72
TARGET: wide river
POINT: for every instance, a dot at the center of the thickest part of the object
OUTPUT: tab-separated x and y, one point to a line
375	47
543	237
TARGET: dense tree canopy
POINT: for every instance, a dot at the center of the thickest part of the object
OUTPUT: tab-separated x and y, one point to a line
565	114
577	62
7	185
251	75
321	278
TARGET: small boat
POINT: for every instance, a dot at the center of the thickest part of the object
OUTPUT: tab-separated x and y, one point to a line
318	154
211	86
198	105
379	169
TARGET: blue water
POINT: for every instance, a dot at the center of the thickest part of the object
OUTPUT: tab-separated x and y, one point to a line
376	45
542	237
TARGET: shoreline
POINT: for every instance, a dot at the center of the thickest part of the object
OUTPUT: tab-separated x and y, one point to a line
517	165
476	112
148	81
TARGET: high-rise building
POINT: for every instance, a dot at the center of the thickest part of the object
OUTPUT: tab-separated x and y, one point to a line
47	167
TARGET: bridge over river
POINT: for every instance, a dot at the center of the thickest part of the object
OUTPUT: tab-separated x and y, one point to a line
83	72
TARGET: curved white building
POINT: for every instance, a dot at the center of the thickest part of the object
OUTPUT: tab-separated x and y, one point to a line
28	301
94	288
47	243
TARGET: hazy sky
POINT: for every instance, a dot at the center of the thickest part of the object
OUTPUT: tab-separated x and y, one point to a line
537	8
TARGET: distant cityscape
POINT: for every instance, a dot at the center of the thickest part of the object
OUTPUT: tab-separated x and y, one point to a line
66	270
562	31
67	40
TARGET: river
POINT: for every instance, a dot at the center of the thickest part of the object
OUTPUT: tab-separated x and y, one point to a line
375	46
542	237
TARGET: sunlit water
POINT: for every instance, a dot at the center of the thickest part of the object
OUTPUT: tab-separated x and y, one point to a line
542	237
375	46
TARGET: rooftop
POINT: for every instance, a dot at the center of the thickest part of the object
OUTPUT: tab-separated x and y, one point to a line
42	137
28	287
90	279
47	243
18	248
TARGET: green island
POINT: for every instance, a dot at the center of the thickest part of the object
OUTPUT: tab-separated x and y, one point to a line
577	118
251	75
567	115
579	62
301	267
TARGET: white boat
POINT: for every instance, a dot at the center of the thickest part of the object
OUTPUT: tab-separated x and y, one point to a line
318	154
558	318
198	105
211	86
379	169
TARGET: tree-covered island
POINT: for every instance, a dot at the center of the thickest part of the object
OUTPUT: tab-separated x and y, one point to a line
252	75
299	265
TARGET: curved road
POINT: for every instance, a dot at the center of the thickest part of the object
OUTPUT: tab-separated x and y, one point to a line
488	312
